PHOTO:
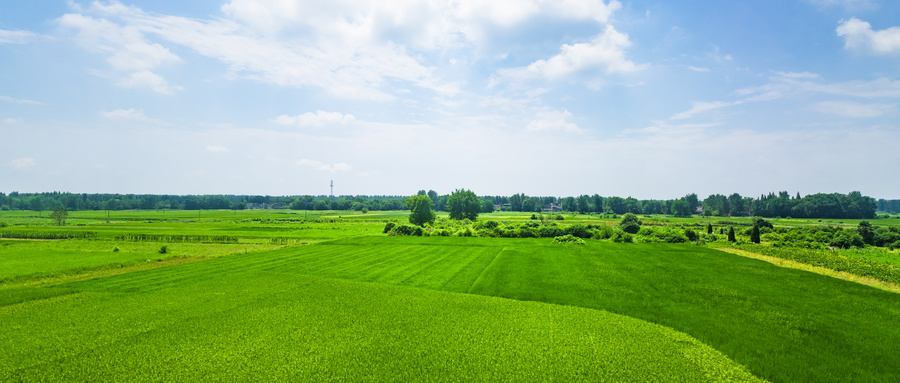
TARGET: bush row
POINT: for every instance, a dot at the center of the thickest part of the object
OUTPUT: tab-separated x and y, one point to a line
47	234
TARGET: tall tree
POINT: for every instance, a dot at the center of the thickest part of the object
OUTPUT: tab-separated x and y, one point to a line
60	213
420	211
463	204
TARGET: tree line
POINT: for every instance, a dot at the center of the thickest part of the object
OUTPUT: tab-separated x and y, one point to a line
782	204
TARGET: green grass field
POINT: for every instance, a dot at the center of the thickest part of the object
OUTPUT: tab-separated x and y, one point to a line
334	299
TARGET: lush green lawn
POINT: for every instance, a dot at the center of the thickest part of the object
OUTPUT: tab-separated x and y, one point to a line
228	319
282	314
786	325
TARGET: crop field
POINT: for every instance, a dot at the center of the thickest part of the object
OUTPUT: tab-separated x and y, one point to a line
291	295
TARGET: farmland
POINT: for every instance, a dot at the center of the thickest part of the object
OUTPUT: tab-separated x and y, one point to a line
252	295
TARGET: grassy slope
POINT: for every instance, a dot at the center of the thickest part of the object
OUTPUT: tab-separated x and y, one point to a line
786	325
227	319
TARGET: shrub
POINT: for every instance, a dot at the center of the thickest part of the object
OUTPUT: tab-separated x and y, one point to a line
490	224
164	249
388	227
691	235
406	230
116	249
559	217
3	224
578	230
604	232
364	210
568	239
630	223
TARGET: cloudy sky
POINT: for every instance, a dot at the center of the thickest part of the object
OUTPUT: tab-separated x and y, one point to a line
651	99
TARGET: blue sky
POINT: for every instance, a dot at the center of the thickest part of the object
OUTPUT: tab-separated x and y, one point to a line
651	99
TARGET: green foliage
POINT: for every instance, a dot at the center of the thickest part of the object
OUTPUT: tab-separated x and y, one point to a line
691	235
846	239
731	237
463	204
867	232
3	224
630	223
59	214
754	234
709	228
861	266
388	226
406	230
568	239
364	210
681	208
419	207
163	249
116	249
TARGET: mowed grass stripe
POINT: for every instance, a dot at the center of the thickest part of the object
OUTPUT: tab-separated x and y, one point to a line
277	327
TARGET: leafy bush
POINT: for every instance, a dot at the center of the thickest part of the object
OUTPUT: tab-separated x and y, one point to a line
690	234
568	239
406	230
388	227
164	249
630	223
603	232
490	224
115	249
578	230
3	224
846	239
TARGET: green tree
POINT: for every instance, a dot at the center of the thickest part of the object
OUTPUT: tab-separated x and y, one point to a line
680	208
709	229
420	211
754	234
731	237
463	204
630	223
60	213
867	232
487	206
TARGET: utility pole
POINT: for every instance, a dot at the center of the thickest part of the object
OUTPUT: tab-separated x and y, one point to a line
332	190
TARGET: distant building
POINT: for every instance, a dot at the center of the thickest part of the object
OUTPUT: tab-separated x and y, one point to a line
552	207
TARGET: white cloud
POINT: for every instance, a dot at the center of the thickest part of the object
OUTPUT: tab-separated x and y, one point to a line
127	50
125	114
797	75
15	37
698	69
425	25
217	149
24	163
12	100
339	167
318	119
553	120
148	80
858	35
700	107
853	109
10	121
605	53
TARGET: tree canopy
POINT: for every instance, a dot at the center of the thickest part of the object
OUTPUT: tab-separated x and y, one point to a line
463	204
420	211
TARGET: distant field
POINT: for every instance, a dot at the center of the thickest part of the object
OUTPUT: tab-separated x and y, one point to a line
324	295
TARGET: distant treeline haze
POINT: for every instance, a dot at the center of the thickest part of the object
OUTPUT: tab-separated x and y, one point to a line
834	205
